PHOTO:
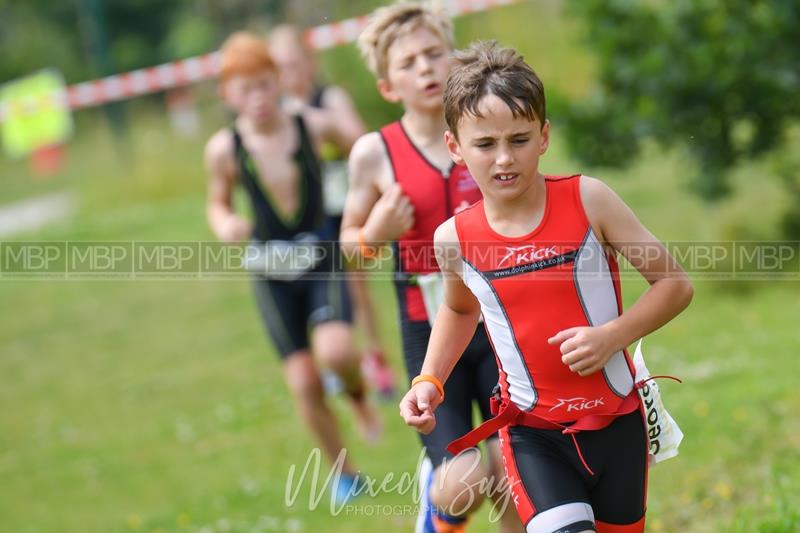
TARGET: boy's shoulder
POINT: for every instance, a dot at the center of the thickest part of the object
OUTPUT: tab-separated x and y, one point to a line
223	138
596	194
591	183
446	231
604	208
220	147
368	151
447	245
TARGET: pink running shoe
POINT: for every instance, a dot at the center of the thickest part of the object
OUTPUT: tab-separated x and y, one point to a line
379	374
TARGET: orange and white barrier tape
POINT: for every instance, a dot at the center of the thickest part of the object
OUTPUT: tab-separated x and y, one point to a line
203	67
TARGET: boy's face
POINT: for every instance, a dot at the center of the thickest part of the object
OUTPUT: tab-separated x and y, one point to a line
254	96
501	151
296	69
417	67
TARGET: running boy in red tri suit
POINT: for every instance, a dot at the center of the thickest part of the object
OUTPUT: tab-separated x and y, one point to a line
536	257
402	186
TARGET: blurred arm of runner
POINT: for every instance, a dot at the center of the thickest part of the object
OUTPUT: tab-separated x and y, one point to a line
349	125
222	172
376	206
454	327
587	349
337	121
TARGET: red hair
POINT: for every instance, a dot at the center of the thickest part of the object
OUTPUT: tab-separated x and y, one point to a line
244	54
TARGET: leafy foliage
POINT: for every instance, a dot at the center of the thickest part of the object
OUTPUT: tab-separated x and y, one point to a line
90	38
721	76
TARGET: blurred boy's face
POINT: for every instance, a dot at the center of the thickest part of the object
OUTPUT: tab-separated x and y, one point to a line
417	67
253	96
296	69
501	151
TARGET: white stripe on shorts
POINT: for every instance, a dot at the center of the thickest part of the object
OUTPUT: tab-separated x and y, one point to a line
561	516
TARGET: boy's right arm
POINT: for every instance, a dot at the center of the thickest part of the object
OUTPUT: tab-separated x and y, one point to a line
454	327
221	168
376	207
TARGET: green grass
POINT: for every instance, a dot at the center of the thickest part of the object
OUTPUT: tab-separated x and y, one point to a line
154	405
159	406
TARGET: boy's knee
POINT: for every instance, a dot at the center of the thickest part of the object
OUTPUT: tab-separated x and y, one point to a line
304	382
337	358
333	346
460	485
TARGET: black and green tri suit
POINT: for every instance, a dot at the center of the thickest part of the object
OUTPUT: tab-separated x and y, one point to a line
290	309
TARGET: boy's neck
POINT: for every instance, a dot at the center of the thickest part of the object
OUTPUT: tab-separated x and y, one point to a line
520	215
305	93
424	128
267	127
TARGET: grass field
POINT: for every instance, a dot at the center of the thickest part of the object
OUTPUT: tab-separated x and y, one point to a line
139	405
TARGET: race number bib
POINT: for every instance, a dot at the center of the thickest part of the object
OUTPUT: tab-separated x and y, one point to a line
664	435
334	183
282	260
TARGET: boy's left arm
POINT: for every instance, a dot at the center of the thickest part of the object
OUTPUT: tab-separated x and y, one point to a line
452	330
337	123
587	349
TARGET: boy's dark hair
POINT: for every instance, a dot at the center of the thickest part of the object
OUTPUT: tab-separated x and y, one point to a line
488	68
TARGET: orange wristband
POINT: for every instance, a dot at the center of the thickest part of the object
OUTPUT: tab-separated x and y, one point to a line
430	379
365	249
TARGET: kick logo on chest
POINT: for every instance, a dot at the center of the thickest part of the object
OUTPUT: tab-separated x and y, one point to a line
518	255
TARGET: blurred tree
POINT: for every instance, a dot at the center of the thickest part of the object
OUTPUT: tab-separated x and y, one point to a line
721	76
306	13
134	33
136	29
190	35
93	21
36	34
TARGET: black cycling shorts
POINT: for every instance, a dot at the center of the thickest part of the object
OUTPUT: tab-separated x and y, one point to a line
554	491
290	309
